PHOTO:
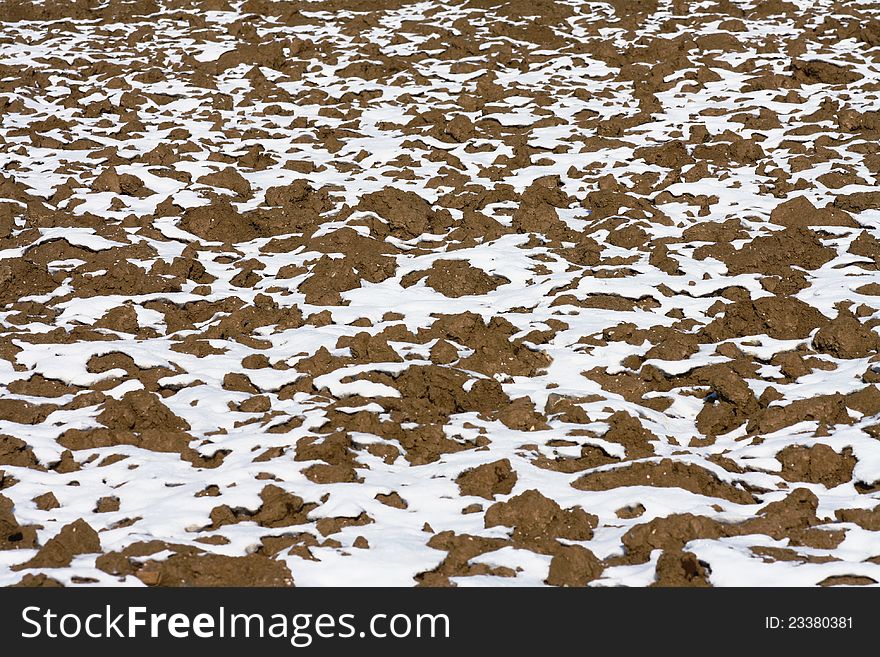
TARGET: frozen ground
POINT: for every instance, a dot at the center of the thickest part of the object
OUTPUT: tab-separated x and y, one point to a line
471	293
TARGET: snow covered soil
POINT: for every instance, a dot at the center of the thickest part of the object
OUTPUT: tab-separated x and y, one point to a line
443	293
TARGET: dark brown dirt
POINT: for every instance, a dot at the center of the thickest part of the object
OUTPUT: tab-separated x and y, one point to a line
456	278
73	539
667	474
781	318
278	509
407	214
846	337
681	569
215	570
12	535
608	279
818	464
536	519
573	565
488	480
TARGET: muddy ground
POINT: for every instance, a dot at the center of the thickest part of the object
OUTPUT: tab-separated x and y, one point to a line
439	293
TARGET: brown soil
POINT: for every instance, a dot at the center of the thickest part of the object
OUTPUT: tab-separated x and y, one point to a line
407	214
243	310
488	480
536	519
13	535
667	474
818	464
73	539
573	565
456	278
780	318
215	570
278	509
680	569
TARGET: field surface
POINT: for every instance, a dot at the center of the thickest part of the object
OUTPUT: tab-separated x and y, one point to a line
484	293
